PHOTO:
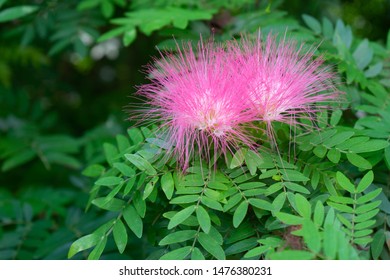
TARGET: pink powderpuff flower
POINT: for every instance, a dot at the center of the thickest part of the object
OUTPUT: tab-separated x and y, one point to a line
285	82
197	97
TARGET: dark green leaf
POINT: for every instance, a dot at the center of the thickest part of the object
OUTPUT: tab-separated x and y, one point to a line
178	237
178	254
203	219
211	203
98	250
109	181
296	188
114	204
18	159
211	246
197	254
289	219
293	175
240	213
377	245
184	199
124	169
261	204
133	220
167	184
141	163
291	255
120	236
369	146
16	12
181	216
111	153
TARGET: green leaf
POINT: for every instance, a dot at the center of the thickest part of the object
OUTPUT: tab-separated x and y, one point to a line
369	146
313	23
365	182
83	243
256	252
293	175
359	161
319	214
197	254
251	159
363	54
320	151
338	138
335	117
98	250
217	185
296	188
129	36
109	181
240	213
330	240
149	188
368	207
291	255
113	33
133	220
311	235
211	203
334	155
344	182
303	206
181	216
178	254
261	204
167	184
366	216
16	12
238	158
341	207
18	159
378	242
368	197
289	219
114	204
139	204
120	236
211	246
203	219
278	202
364	225
110	152
135	135
178	237
94	170
184	199
141	163
124	169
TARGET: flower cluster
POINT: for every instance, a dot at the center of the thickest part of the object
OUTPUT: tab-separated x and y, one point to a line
207	98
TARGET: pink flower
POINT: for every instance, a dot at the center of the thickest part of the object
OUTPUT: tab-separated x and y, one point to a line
199	100
284	80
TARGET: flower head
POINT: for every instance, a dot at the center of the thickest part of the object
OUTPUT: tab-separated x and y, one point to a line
199	99
284	80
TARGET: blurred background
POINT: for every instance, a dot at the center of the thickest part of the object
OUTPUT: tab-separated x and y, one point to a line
68	69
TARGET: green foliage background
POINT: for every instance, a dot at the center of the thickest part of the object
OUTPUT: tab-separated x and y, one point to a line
77	181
